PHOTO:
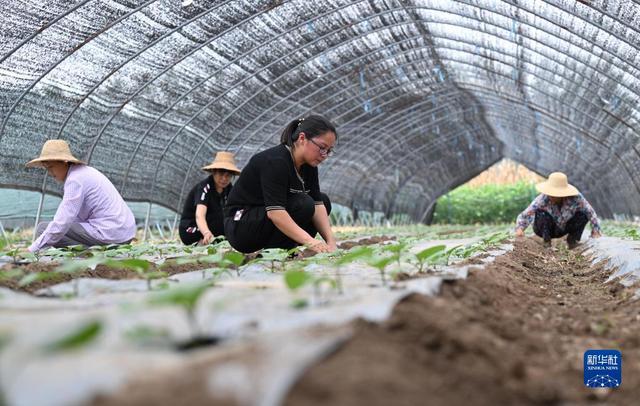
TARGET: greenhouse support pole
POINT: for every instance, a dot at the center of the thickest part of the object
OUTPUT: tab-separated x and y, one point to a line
40	205
173	229
146	223
4	234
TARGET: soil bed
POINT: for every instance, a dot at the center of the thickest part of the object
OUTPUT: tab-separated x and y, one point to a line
512	333
101	271
104	272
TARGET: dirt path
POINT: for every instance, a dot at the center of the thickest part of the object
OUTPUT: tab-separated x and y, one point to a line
511	334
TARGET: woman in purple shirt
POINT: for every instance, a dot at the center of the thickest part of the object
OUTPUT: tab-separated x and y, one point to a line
92	212
559	210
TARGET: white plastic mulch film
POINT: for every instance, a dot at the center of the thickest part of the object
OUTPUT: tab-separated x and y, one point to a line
425	93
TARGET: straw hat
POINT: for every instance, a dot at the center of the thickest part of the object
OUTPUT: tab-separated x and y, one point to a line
557	186
223	160
54	150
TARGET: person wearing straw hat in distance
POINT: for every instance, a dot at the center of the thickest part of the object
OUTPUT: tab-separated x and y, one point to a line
559	210
202	217
92	212
276	202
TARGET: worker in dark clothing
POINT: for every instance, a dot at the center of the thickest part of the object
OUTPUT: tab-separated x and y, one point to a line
202	216
276	202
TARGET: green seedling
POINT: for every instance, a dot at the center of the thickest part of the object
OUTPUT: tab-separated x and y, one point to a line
14	254
396	249
318	282
137	265
381	263
632	233
233	258
299	303
78	338
79	265
148	335
273	255
30	278
425	256
75	251
11	274
295	279
356	253
186	297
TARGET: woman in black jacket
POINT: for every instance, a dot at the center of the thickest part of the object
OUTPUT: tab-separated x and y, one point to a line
276	202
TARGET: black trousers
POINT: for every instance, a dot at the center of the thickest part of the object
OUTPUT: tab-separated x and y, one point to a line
544	226
254	231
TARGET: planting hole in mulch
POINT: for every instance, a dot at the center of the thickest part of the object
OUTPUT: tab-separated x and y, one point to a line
513	333
197	343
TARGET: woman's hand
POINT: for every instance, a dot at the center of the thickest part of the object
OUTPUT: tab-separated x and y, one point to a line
595	234
207	237
318	246
519	232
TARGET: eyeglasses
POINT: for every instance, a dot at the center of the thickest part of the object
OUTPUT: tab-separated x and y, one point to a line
323	150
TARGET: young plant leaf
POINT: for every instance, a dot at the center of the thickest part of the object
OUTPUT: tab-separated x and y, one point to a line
186	296
295	279
77	338
381	263
355	254
134	264
79	265
233	257
429	252
36	277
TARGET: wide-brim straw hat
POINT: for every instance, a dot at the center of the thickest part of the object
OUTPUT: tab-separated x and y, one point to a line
557	186
54	150
223	160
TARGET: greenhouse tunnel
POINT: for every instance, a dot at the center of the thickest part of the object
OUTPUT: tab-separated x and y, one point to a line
425	94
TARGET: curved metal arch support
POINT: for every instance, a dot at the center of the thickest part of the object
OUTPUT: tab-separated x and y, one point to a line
205	80
378	95
394	165
426	113
432	146
134	56
398	125
284	100
162	72
477	20
47	26
613	130
55	65
194	156
442	141
553	152
217	71
400	122
440	191
421	165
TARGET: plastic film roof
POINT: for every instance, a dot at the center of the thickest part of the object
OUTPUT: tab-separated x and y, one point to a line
425	93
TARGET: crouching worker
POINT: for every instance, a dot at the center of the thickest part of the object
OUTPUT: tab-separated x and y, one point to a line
92	212
276	202
559	210
202	217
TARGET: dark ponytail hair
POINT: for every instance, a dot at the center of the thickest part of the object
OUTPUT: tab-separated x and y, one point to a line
312	127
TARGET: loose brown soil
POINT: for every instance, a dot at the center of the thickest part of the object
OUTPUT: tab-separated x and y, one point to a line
513	333
101	271
376	239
